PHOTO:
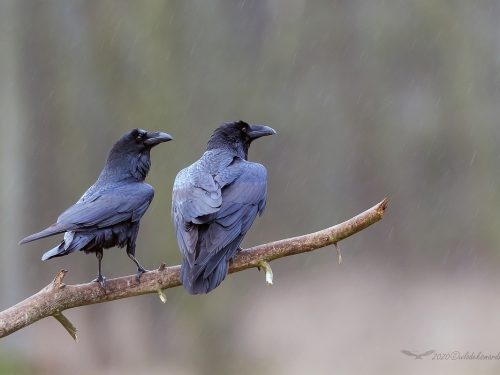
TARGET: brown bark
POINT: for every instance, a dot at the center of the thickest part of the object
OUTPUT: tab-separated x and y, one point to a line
57	297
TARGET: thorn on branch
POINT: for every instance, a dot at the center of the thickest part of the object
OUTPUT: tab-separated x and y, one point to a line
269	271
66	323
57	282
162	267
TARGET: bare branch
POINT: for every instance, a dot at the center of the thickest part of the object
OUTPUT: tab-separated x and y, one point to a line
57	297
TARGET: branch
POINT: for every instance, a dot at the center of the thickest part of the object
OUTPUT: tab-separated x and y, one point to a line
57	297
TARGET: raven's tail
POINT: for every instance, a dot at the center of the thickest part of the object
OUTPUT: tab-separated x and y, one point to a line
202	279
55	228
202	284
72	242
55	252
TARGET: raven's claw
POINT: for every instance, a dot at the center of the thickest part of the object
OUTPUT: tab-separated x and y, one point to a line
101	280
140	271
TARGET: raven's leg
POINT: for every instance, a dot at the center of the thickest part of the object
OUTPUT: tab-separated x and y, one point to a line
140	269
131	250
130	253
100	278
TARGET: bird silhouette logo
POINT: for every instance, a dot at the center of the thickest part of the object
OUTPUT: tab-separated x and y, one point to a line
417	356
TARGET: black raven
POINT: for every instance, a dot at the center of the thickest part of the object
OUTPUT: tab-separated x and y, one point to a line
109	212
214	203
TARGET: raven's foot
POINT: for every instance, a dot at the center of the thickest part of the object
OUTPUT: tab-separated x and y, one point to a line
101	280
338	252
140	271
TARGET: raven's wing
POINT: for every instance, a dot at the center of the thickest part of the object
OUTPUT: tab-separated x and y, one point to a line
104	208
243	197
211	220
199	198
195	195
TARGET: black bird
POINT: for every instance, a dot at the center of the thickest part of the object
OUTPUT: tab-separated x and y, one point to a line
214	203
109	212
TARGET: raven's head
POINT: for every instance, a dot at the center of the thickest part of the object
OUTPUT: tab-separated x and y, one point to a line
130	154
138	140
237	136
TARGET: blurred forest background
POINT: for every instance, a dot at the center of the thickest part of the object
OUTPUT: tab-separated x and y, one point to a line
370	99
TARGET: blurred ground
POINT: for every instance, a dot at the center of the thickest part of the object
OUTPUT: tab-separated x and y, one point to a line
370	99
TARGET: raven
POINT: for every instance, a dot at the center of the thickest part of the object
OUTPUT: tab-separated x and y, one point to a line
214	203
109	212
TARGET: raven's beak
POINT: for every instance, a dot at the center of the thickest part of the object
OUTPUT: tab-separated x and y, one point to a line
257	131
156	138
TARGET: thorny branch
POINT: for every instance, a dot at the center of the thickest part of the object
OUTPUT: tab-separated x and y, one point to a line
57	297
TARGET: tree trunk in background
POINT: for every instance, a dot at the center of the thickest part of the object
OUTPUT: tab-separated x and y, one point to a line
14	120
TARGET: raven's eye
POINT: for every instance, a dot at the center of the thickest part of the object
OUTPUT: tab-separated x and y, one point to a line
244	129
139	138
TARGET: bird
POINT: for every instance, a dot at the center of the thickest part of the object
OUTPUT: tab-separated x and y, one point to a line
214	203
417	356
109	212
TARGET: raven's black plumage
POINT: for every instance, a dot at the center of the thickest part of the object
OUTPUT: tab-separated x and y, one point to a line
214	203
108	214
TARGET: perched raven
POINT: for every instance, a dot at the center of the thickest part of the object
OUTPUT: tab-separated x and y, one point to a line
109	212
214	203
